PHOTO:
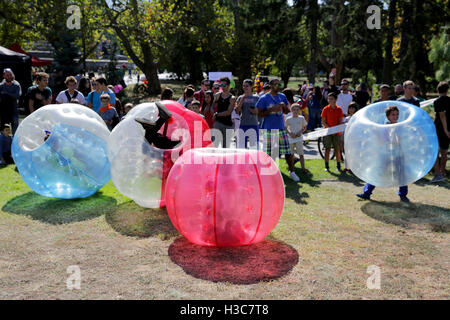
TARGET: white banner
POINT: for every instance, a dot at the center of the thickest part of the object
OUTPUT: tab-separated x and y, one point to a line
214	76
324	132
423	104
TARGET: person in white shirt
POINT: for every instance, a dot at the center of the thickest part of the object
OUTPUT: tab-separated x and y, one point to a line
67	95
345	97
295	126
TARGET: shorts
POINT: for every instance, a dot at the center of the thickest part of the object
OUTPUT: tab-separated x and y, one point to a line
283	142
443	140
332	141
296	147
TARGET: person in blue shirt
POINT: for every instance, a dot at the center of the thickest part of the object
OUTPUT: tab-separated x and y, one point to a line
100	86
5	145
271	107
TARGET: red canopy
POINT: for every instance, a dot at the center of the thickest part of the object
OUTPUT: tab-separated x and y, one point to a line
35	62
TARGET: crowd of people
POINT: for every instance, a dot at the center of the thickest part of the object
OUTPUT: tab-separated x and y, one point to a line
283	115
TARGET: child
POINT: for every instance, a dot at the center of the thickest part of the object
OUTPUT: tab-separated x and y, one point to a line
332	115
392	114
5	145
107	112
195	107
295	126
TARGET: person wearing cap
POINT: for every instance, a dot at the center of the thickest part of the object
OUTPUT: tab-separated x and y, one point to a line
10	92
345	97
385	90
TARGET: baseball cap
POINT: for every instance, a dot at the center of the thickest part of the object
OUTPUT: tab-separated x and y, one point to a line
344	81
384	86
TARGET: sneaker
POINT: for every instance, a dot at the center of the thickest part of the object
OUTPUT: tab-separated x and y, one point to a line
363	196
438	178
327	168
404	199
294	176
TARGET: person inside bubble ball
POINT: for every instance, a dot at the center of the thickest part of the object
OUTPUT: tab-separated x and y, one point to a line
152	127
392	113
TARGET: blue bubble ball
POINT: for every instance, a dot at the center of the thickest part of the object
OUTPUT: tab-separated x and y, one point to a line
73	161
390	155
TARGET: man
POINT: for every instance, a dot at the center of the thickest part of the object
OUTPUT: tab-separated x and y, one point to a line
200	95
332	115
398	90
385	90
442	123
10	92
271	107
40	94
325	91
67	95
345	97
100	86
408	97
266	89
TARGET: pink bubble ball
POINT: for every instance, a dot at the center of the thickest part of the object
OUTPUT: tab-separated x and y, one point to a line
224	197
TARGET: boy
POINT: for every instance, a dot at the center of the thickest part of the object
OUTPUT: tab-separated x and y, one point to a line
295	126
5	145
195	107
392	114
107	112
332	115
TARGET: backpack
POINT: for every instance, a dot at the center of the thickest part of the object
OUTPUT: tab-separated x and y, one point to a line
68	95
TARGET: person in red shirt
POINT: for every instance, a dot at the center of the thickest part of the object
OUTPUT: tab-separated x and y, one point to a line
332	115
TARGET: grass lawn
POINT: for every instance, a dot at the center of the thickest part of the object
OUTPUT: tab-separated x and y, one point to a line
321	248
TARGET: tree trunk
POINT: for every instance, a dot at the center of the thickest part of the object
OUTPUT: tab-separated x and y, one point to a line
313	17
151	73
387	63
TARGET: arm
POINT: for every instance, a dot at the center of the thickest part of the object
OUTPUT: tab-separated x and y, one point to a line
31	105
230	108
239	104
444	123
324	122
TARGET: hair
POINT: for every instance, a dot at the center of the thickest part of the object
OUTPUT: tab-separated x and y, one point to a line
82	86
408	83
266	86
295	105
206	81
390	109
74	100
333	94
188	92
105	95
10	71
442	87
211	94
41	75
327	82
318	92
101	80
128	105
225	79
195	102
248	81
353	105
70	79
4	126
417	89
271	82
166	94
289	95
110	86
363	86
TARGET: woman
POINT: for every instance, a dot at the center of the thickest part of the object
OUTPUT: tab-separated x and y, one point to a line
84	86
362	96
224	104
188	96
208	108
246	104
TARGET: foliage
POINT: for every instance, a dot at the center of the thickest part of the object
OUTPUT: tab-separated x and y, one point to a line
440	54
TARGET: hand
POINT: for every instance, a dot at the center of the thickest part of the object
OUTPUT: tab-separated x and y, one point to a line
214	116
448	134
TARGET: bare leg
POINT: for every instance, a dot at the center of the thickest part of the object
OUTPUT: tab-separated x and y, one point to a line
290	161
443	161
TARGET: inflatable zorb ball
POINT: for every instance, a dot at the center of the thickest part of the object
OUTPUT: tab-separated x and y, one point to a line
390	155
73	161
139	169
224	197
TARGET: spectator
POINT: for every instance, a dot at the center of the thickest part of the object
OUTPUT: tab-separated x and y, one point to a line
362	96
345	97
295	126
70	93
246	105
271	107
314	100
100	86
187	97
84	86
408	86
266	89
332	115
332	85
167	94
398	90
40	94
200	95
224	104
385	90
10	92
107	112
442	123
215	88
126	109
5	145
195	107
208	109
289	95
118	104
418	93
325	90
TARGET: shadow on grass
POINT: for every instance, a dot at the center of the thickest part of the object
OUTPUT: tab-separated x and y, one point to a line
348	177
409	215
426	181
251	264
132	220
292	190
60	211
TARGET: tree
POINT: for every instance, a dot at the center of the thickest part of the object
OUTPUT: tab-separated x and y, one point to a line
440	54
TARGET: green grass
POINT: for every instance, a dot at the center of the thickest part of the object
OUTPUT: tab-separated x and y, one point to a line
326	236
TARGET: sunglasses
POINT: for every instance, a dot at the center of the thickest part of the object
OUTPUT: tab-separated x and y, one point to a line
223	85
277	84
